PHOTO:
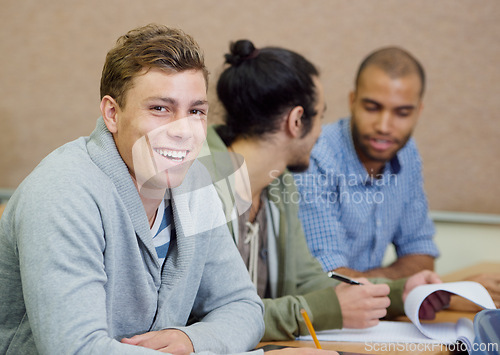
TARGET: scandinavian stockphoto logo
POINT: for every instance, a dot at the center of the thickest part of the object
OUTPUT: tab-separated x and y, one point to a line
162	158
331	188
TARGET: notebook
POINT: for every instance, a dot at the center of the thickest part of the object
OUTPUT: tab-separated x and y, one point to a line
417	332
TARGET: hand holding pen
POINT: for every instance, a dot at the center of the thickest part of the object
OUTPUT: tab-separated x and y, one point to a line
362	303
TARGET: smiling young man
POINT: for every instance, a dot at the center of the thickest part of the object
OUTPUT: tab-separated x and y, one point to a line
364	188
108	246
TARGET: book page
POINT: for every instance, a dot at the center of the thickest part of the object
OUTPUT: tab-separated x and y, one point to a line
416	332
384	332
465	331
447	332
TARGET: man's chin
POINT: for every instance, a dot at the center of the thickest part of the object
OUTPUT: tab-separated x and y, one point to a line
381	157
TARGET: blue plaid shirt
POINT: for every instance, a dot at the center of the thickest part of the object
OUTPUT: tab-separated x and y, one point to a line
350	218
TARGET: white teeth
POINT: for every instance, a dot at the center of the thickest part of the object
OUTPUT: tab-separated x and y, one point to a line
172	154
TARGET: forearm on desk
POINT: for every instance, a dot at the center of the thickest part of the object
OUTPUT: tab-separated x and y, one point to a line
403	267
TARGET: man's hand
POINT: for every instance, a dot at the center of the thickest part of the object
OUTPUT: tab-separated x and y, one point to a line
362	306
435	302
171	341
301	351
490	281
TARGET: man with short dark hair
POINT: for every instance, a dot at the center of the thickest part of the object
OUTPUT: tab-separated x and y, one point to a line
363	189
109	246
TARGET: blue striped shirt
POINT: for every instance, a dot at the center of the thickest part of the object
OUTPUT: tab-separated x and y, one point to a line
349	218
162	230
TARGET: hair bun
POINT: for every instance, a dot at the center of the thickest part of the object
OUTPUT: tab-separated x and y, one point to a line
241	50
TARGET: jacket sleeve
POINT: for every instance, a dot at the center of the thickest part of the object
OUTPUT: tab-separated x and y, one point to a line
396	296
306	284
60	246
302	282
228	311
284	321
396	307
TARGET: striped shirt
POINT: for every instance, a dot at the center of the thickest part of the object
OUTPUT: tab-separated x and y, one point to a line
162	230
349	218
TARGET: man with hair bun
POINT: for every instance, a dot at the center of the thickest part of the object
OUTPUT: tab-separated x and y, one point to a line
274	101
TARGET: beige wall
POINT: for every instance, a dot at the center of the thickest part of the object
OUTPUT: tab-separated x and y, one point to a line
52	54
461	245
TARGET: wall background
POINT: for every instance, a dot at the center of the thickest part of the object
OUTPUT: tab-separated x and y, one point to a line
461	245
53	52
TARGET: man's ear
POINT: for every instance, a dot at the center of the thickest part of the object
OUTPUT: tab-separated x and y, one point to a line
109	112
352	97
420	107
294	121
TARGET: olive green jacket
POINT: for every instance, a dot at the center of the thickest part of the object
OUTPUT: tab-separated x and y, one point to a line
299	281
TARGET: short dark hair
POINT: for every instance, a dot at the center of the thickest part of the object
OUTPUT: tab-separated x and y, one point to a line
395	62
260	85
150	46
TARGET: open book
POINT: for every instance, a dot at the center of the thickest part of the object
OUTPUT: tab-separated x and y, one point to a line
416	332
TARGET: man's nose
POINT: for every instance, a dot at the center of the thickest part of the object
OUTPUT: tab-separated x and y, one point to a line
384	122
180	128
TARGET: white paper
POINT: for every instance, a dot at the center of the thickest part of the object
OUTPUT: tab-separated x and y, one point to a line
416	332
447	332
384	332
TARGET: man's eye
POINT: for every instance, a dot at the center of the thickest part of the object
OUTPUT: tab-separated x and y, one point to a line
403	113
158	108
371	108
197	112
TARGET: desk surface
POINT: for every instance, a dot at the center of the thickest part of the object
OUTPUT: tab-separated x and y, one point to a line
486	267
443	316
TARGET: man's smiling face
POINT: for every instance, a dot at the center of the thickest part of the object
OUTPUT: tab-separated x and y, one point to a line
162	127
384	112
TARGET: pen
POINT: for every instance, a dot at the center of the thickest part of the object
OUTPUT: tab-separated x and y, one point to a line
342	278
310	328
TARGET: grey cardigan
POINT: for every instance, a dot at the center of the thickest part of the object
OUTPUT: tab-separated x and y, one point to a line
78	270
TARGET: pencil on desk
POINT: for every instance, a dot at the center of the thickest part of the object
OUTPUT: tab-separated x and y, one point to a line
310	328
